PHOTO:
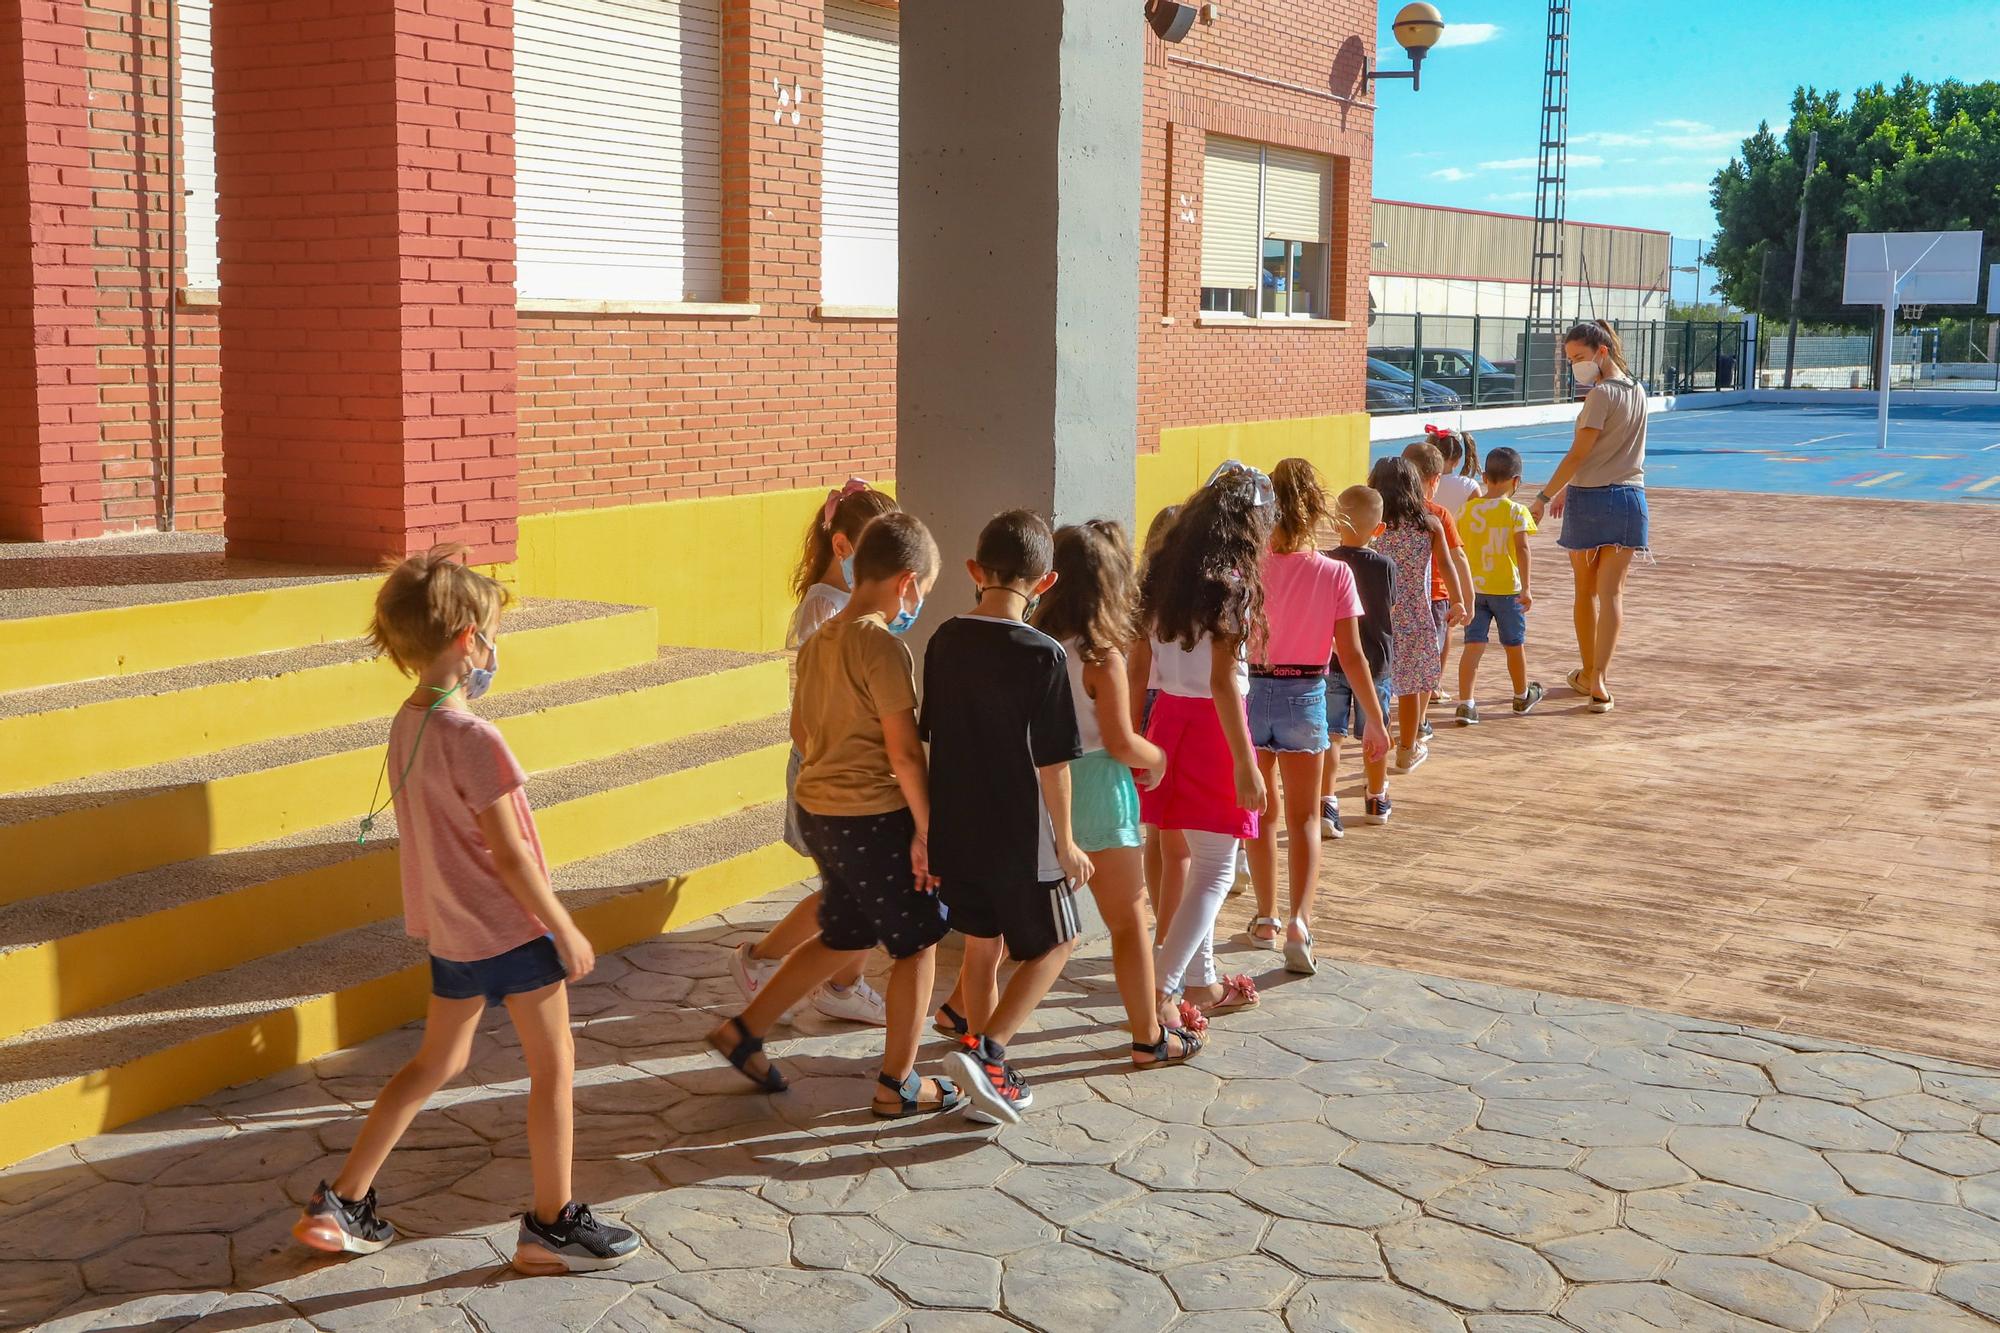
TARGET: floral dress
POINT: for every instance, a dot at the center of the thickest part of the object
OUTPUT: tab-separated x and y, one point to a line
1414	667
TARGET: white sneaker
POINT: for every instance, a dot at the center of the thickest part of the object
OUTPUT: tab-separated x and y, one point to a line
1410	758
750	972
859	1003
1242	880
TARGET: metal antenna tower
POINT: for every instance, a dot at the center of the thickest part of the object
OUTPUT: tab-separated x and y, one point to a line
1545	296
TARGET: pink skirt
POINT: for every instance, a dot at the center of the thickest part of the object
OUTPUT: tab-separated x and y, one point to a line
1199	791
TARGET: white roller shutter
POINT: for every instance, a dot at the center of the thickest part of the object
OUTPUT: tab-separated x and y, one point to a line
618	139
858	156
1229	248
1295	195
197	125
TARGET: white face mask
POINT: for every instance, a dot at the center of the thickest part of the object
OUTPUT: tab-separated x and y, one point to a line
1586	372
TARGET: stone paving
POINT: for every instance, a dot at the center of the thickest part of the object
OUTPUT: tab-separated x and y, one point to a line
1371	1151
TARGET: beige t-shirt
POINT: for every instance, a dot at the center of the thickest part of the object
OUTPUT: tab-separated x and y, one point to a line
1618	409
851	674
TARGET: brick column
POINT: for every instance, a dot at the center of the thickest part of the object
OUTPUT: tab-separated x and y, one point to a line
50	481
366	163
771	128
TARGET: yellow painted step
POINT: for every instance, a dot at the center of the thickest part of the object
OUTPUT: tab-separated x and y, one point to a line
280	1039
155	636
55	746
105	842
75	974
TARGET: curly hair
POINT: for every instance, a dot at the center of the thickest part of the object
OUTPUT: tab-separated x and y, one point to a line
1206	579
1095	598
851	513
1395	480
1302	504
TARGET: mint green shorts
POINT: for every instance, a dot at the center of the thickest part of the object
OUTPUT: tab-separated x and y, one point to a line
1103	803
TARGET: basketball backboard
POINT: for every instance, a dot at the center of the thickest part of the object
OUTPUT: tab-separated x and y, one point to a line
1993	290
1933	267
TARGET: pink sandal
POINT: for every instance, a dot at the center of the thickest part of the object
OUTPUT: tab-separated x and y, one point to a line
1238	992
1191	1016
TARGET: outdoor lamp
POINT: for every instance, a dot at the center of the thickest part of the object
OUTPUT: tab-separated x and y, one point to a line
1417	28
1170	19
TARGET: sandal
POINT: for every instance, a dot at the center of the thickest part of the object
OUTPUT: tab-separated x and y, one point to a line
1299	956
950	1022
1277	940
1191	1018
1190	1046
1601	703
949	1097
740	1054
1575	681
1238	992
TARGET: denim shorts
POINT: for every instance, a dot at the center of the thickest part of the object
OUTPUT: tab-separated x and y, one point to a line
1506	609
1288	714
1595	516
526	967
1343	707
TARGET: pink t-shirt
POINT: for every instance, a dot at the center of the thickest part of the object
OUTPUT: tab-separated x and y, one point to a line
452	895
1305	596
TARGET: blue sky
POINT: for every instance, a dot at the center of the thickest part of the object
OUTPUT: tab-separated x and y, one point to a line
1661	95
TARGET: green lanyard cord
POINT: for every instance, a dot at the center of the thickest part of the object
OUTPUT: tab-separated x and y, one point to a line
368	820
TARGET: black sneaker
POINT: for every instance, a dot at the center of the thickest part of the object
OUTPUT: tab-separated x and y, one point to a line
1378	810
576	1242
1525	703
998	1093
335	1226
1329	819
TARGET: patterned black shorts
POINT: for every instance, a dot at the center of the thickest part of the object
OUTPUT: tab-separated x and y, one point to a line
868	894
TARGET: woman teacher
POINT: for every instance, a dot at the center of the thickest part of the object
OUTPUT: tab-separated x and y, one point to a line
1604	512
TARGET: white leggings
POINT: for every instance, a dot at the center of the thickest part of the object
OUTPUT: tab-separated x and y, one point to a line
1190	937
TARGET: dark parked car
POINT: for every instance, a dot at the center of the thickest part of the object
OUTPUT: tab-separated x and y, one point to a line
1435	395
1457	368
1388	396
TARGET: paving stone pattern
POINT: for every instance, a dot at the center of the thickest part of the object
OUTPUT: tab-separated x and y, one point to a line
1371	1151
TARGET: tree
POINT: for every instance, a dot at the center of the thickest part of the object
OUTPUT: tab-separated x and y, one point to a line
1918	157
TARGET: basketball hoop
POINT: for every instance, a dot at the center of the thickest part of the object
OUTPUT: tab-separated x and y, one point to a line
1912	313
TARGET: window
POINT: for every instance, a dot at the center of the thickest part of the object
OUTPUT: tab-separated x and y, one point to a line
857	209
197	117
618	175
1266	251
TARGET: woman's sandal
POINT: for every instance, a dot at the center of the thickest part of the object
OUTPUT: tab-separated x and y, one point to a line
1299	957
949	1097
1277	940
950	1022
740	1055
1238	992
1602	703
1188	1016
1190	1045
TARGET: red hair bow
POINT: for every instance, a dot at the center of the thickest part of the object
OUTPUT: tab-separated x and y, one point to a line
834	497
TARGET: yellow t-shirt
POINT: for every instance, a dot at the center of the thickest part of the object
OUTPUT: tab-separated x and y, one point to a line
1488	526
851	673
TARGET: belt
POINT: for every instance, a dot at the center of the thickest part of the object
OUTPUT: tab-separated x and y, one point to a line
1287	672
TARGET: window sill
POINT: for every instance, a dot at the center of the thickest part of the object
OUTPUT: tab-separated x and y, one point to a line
880	312
1274	324
539	305
202	298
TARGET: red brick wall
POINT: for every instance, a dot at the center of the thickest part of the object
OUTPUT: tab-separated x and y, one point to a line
1278	73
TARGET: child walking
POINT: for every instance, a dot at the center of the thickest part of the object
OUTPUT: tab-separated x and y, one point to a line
1201	602
1002	730
1357	519
864	808
1414	540
1313	615
1451	587
823	582
1092	610
1496	529
476	890
1460	481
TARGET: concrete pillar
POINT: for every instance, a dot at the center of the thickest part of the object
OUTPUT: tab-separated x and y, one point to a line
1018	345
365	162
51	478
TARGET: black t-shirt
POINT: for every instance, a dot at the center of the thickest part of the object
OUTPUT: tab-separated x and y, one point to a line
996	710
1375	580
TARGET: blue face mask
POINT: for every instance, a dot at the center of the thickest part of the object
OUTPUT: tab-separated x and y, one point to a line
480	679
905	619
847	571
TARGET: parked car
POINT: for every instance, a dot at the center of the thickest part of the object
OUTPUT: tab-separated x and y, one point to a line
1456	368
1435	395
1389	396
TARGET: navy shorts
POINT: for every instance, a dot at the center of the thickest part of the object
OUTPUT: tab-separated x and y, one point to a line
1595	516
526	967
1288	714
868	893
1032	919
1488	608
1343	708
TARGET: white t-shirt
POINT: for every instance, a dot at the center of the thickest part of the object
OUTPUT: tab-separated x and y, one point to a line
1184	671
821	603
1454	490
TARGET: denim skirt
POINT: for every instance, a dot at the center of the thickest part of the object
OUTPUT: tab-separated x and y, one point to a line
1595	516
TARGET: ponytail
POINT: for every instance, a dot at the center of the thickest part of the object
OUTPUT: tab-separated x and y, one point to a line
847	510
1470	467
1599	336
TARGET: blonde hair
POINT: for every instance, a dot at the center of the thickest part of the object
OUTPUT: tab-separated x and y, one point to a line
1426	459
427	601
1360	507
1599	336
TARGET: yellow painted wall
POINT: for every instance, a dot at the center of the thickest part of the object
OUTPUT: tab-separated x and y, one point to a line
719	570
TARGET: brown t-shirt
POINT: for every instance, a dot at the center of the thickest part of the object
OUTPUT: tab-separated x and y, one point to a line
1617	408
851	674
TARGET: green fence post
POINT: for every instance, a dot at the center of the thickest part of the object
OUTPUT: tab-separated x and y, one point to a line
1476	354
1417	362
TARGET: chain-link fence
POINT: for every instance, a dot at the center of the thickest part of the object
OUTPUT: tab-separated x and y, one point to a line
1472	361
1933	353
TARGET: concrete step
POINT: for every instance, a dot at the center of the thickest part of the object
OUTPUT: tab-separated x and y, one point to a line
177	1043
106	826
59	733
63	954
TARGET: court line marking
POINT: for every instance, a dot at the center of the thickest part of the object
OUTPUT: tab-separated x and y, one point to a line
1976	489
1991	447
1877	481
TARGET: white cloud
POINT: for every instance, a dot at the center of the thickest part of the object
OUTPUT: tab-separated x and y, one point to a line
1451	174
1685	126
1705	140
1508	164
1469	34
1612	139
